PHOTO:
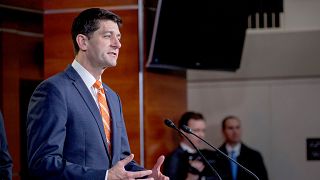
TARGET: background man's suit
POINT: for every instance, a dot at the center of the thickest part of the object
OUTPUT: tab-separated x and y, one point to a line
176	165
249	158
5	158
66	139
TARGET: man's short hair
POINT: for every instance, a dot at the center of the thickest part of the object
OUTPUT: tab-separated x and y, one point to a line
88	21
184	120
224	120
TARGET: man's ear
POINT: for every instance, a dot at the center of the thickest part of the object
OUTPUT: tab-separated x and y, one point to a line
82	41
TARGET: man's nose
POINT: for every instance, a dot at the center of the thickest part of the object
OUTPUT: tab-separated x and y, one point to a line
202	134
116	43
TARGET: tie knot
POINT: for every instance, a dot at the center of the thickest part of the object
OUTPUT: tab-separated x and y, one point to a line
97	85
233	154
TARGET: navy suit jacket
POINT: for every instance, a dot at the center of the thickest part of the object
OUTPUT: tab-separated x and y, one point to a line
5	158
249	158
65	133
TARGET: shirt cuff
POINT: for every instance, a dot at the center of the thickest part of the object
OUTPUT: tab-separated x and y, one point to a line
106	178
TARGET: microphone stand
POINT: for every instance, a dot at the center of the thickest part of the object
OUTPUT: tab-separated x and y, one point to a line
189	131
170	124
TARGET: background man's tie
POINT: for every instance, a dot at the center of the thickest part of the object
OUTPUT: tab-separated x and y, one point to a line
234	166
104	111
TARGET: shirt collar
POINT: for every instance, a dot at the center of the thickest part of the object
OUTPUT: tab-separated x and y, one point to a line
187	148
85	75
235	148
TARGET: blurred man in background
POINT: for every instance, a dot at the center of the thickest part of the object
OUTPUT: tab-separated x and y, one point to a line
184	162
236	149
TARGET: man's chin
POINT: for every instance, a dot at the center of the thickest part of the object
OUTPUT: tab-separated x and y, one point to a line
110	65
113	64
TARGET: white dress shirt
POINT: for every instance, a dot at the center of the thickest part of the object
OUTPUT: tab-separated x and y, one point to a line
187	148
235	149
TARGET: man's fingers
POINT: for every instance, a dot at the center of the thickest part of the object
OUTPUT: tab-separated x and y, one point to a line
126	160
139	174
119	172
160	160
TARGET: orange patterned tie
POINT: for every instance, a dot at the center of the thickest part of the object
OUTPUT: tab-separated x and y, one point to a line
104	111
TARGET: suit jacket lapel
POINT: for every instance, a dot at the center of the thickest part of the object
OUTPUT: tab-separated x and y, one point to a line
114	131
91	104
243	152
226	163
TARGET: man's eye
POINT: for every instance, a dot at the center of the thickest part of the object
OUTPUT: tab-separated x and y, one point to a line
107	35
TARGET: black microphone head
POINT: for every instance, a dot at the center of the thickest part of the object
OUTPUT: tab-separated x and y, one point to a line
169	123
186	129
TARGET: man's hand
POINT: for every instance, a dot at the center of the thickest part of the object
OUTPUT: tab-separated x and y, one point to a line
197	165
119	172
191	176
156	173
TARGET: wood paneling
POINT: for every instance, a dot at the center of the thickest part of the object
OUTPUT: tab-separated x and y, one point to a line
64	4
61	4
28	4
20	20
18	62
10	104
58	48
21	58
165	97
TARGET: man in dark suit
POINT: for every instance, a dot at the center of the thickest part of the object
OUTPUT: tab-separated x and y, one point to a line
235	148
5	158
75	126
184	162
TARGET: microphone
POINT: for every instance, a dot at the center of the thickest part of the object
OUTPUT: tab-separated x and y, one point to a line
170	124
189	131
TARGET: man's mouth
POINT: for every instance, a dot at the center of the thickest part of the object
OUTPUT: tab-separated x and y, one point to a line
112	53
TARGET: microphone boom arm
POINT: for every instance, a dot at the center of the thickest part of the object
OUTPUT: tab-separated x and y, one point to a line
189	131
169	123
